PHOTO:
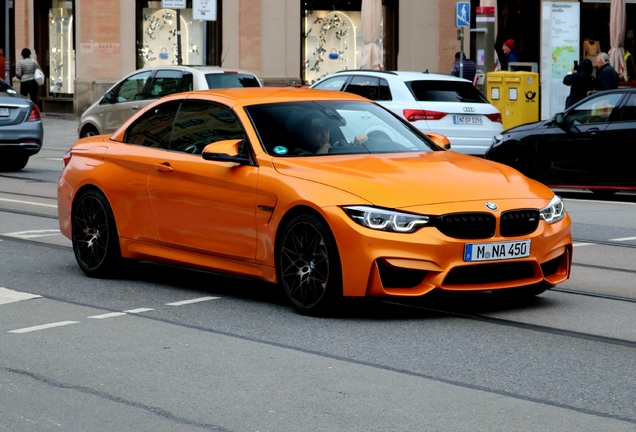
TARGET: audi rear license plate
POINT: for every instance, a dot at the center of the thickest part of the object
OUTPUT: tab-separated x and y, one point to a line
496	251
4	112
468	120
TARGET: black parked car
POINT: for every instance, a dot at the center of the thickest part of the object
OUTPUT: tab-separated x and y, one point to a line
591	145
21	129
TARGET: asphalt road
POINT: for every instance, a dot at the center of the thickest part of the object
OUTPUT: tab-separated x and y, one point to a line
167	349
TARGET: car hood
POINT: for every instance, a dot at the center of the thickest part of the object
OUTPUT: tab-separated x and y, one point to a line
527	127
406	180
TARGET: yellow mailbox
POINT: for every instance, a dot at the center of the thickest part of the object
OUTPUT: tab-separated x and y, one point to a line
516	96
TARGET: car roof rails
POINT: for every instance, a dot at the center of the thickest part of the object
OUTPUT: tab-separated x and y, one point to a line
368	70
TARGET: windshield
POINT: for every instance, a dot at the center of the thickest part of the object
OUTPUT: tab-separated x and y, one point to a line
231	80
445	91
333	127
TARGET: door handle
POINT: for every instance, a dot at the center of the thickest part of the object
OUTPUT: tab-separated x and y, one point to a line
593	131
134	107
164	167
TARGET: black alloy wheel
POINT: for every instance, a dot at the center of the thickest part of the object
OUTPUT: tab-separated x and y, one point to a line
308	266
95	239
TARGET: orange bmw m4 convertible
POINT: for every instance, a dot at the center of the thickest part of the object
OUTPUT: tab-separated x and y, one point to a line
325	193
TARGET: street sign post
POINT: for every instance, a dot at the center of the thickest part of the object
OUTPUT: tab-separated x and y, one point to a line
462	14
462	19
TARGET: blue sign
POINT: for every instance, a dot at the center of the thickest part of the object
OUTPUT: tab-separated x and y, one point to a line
462	14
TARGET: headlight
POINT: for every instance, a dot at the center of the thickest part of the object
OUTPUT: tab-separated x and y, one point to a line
497	138
386	220
554	212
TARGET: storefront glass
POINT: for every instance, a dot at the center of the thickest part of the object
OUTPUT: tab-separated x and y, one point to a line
159	41
332	37
333	42
61	53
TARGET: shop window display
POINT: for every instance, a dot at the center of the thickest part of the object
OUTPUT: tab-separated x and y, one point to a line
61	53
332	42
159	40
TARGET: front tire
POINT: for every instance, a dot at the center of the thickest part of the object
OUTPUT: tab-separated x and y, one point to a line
518	160
94	234
88	131
308	266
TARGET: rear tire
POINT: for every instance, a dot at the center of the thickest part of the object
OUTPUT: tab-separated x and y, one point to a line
308	266
13	162
94	235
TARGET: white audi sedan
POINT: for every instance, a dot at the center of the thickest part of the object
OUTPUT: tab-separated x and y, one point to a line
140	88
438	103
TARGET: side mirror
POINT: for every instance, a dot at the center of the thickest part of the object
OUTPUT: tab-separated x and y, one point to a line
225	151
559	119
439	139
110	97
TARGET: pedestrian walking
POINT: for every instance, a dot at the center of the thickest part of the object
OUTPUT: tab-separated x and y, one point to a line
25	70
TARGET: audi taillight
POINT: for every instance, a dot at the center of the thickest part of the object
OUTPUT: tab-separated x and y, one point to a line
67	158
494	117
35	114
415	115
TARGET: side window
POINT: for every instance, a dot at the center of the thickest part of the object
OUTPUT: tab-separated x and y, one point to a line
629	112
385	91
336	83
164	83
153	128
364	86
200	123
597	110
132	88
186	83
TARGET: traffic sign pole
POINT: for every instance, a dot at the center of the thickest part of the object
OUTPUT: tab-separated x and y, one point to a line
462	19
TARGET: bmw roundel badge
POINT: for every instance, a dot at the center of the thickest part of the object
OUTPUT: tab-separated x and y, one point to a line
491	205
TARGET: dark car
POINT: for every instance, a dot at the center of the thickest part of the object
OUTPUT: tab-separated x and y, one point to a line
21	130
588	146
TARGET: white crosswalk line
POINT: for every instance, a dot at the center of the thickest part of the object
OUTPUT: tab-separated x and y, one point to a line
140	310
43	327
623	239
33	234
28	202
196	300
10	296
107	315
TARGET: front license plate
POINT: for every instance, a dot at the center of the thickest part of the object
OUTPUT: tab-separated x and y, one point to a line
496	251
468	120
4	112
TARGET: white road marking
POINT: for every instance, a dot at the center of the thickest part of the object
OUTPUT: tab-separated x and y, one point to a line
10	296
108	315
196	300
55	159
43	327
623	239
582	244
33	234
140	310
28	202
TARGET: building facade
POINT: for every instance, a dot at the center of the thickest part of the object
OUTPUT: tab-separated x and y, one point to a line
84	46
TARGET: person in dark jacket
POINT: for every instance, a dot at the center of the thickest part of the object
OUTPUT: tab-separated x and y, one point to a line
469	68
580	82
606	76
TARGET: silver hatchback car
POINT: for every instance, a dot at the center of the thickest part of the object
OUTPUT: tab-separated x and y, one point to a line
143	86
